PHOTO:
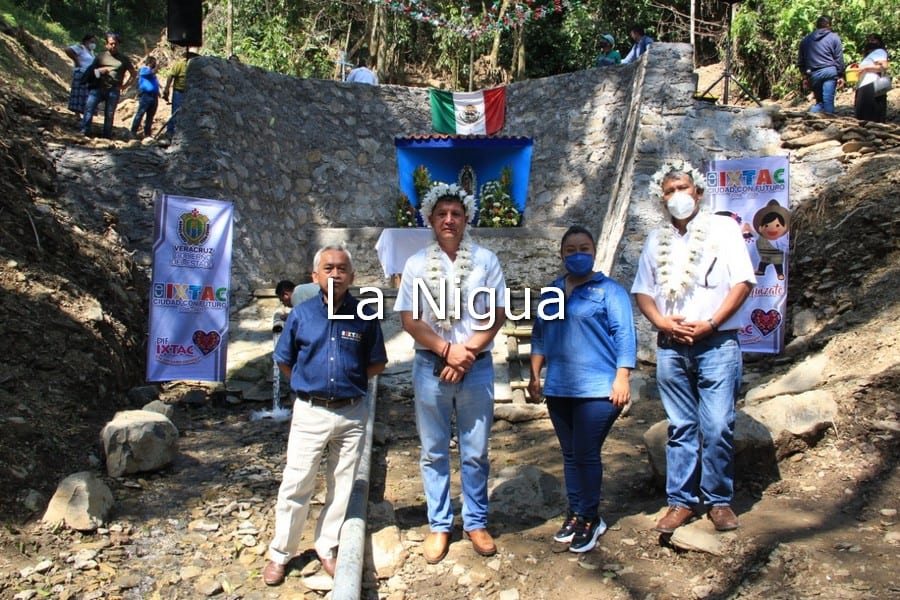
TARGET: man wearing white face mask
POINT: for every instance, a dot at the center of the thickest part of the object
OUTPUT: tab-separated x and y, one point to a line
694	273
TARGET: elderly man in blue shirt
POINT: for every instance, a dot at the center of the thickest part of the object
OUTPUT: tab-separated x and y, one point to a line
328	361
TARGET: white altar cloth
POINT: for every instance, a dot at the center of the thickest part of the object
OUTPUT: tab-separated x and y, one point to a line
395	245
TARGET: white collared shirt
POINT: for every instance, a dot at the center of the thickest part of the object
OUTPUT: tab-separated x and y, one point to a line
486	273
725	263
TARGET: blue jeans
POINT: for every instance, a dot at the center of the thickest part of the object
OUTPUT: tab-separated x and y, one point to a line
823	83
473	402
110	98
699	385
177	98
581	426
146	106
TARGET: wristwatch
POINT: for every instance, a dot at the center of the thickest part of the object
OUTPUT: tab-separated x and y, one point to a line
713	324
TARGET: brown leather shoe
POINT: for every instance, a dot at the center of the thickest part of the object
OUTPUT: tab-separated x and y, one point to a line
436	546
674	518
723	518
482	542
273	573
328	564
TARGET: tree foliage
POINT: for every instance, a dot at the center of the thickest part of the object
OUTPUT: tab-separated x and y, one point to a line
307	38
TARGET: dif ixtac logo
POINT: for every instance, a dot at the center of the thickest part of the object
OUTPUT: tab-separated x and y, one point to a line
193	230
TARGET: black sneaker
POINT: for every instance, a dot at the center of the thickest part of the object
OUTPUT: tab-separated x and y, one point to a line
586	535
567	531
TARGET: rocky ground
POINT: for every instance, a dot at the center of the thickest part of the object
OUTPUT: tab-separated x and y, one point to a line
822	523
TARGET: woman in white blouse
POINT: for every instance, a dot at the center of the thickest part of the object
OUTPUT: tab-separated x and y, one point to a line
82	56
867	105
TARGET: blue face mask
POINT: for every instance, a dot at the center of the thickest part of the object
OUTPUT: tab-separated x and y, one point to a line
579	264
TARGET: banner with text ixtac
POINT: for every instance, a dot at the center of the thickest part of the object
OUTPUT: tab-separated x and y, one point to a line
189	292
755	193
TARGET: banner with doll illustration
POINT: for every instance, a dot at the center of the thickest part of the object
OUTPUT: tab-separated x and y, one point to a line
189	292
756	193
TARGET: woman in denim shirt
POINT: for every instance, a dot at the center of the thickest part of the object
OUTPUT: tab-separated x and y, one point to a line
589	351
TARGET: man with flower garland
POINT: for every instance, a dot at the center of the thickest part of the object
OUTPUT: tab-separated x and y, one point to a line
694	274
452	370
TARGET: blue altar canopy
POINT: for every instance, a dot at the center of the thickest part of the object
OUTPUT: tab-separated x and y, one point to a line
446	156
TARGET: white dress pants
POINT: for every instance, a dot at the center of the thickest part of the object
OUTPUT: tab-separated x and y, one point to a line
314	428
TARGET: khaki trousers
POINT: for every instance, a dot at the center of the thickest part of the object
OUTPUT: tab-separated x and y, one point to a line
313	429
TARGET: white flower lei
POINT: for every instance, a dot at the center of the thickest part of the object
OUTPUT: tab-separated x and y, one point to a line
451	191
682	166
435	276
677	277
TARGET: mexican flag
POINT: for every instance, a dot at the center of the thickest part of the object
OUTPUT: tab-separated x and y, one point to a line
468	112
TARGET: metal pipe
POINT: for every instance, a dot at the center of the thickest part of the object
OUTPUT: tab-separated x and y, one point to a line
352	541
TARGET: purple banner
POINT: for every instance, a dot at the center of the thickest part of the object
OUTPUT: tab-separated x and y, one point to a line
190	289
756	193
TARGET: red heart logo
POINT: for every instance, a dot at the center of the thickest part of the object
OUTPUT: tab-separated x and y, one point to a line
206	341
766	322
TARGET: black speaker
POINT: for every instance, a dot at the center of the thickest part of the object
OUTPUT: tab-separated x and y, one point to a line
185	23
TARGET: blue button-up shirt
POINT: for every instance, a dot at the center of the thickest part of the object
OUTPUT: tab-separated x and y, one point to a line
329	357
596	337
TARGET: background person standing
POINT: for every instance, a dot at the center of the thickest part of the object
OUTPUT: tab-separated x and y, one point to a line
362	74
148	96
867	105
82	56
821	62
608	54
110	68
177	81
641	41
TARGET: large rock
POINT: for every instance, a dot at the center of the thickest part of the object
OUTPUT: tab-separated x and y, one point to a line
138	440
795	422
802	378
388	552
519	413
763	434
526	492
81	501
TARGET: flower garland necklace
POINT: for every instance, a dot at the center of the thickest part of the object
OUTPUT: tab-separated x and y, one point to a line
436	278
677	276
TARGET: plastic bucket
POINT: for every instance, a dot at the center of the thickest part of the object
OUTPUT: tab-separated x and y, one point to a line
852	76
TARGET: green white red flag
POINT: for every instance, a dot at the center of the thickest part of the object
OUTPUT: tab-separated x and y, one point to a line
463	113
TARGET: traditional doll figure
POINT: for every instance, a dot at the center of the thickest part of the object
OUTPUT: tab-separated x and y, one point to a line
772	222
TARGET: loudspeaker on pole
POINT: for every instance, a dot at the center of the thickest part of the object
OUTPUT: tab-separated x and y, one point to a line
185	22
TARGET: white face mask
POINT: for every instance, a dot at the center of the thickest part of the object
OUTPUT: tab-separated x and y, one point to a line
91	46
680	205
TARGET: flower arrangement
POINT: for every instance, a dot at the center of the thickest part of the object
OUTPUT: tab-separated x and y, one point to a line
406	214
421	182
496	205
439	191
676	165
